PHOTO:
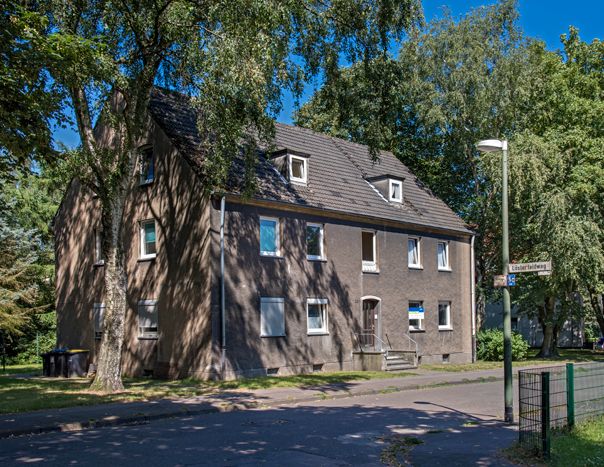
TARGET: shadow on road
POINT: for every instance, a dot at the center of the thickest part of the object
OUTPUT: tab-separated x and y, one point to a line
331	434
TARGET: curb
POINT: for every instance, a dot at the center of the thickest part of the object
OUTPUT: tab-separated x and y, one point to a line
141	418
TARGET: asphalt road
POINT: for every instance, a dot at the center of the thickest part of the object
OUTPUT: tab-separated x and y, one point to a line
455	425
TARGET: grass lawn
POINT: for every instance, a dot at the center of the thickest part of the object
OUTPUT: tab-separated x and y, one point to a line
20	394
580	447
566	356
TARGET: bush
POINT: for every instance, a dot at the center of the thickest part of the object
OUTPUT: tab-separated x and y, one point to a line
489	346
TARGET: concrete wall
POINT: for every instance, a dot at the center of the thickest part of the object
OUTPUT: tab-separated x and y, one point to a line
178	278
339	279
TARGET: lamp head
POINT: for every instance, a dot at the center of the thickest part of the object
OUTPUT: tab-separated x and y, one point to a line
490	145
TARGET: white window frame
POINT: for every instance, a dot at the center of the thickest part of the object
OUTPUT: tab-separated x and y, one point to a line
418	244
447	257
448	326
302	180
323	302
370	266
321	255
98	308
142	177
277	252
262	326
98	247
422	321
147	334
391	184
142	252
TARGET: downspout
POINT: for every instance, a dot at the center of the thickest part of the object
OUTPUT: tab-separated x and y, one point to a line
222	293
473	297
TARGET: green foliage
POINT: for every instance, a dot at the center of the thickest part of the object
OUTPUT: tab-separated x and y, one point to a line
28	97
27	204
489	346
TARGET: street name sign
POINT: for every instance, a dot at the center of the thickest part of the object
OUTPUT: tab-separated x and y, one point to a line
530	267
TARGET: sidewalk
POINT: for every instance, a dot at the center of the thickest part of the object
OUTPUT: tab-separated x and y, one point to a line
79	418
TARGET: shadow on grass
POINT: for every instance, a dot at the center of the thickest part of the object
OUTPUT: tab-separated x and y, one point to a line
24	394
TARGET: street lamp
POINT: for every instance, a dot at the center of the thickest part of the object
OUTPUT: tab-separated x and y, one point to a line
491	145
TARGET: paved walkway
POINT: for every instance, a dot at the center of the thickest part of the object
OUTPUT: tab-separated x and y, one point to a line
121	413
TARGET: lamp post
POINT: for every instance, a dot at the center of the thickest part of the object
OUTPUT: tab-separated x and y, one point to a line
491	145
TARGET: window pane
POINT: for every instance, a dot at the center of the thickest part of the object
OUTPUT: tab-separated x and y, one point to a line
268	236
367	240
297	168
443	314
313	240
413	251
315	317
442	255
147	166
149	238
395	190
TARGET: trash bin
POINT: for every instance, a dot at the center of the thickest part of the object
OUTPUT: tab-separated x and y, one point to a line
64	362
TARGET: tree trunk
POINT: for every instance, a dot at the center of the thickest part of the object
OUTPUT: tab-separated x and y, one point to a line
109	368
597	303
548	347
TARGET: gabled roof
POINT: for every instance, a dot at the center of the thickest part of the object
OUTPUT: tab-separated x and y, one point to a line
337	173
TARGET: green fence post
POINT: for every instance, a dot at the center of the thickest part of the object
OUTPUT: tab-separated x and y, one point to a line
570	394
545	415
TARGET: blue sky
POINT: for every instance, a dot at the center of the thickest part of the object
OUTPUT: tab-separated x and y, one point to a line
543	19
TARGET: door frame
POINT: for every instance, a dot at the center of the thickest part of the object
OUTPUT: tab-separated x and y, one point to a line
378	331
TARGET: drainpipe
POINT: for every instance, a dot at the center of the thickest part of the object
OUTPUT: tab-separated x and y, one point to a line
473	298
222	294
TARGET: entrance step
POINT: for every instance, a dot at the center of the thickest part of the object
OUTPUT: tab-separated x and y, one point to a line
396	360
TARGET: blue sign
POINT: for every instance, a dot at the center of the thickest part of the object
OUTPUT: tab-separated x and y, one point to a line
511	280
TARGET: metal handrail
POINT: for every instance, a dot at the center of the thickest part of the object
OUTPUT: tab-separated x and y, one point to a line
359	334
412	341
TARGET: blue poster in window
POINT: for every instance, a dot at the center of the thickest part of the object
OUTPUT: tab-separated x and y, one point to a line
416	312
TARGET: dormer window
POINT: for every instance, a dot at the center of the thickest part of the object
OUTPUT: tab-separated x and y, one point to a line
298	169
395	191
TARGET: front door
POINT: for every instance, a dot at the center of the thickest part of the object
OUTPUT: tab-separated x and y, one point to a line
370	324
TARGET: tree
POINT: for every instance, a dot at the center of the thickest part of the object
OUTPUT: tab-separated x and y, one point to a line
26	258
453	84
234	57
556	168
29	101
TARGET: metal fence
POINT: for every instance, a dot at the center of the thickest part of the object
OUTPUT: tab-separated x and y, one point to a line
555	397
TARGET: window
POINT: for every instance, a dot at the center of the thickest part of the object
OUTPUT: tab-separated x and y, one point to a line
444	315
314	241
396	191
98	314
148	240
269	236
443	256
316	313
416	316
298	169
98	247
147	319
413	253
272	317
147	166
369	251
